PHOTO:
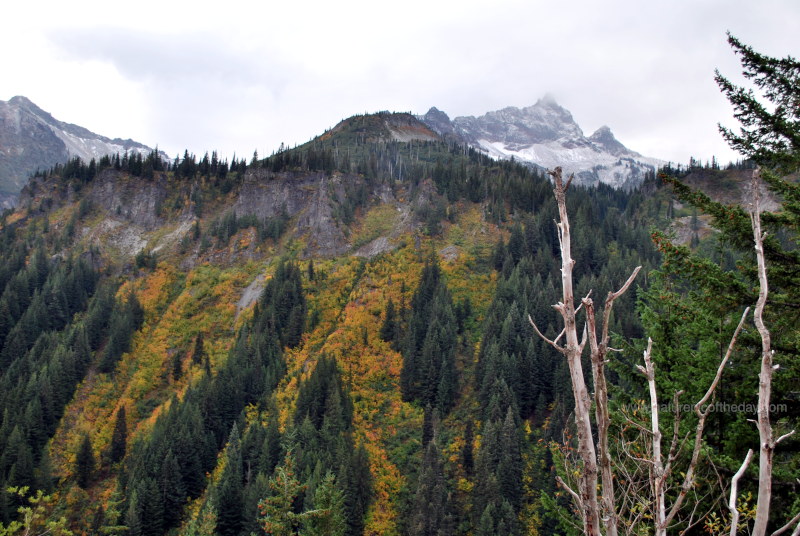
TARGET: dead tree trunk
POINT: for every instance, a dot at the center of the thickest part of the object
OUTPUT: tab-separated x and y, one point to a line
598	351
572	350
766	444
592	513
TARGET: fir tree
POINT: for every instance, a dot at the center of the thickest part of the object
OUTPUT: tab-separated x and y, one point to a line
327	517
199	350
769	134
151	508
389	328
177	366
133	516
119	437
428	373
432	512
230	489
467	458
356	483
173	494
204	524
277	509
84	462
711	295
112	519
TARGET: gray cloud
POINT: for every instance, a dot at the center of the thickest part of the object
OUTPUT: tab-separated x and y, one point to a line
251	80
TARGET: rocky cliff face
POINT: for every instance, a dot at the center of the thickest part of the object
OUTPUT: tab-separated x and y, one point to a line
133	214
32	139
546	135
307	198
136	202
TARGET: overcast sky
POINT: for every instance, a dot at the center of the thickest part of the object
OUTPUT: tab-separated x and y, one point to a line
237	77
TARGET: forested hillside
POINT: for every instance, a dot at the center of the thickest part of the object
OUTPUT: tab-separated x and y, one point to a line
336	340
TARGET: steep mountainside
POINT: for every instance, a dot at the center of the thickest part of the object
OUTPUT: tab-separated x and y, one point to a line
334	336
546	135
32	139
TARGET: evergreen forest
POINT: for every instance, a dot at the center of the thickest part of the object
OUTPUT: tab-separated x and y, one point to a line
337	339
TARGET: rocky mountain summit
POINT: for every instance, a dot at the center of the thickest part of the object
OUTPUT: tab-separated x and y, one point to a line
31	139
546	135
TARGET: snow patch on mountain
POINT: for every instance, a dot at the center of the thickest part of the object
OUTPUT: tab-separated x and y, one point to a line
546	135
32	139
88	148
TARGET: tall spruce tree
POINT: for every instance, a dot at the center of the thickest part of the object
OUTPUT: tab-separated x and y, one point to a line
327	517
277	508
84	462
432	511
199	351
230	489
119	438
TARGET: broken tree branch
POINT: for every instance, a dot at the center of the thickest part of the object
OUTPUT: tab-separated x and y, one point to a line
702	415
735	491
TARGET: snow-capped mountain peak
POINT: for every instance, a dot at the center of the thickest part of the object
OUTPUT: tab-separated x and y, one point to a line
31	139
545	134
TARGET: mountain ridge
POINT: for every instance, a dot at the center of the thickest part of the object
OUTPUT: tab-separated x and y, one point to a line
236	313
546	135
32	139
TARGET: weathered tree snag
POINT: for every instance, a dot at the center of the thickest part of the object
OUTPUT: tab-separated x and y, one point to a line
598	352
572	350
604	510
660	472
766	442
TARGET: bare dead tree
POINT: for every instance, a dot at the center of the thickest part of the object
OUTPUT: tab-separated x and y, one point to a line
587	496
606	508
572	350
598	352
767	443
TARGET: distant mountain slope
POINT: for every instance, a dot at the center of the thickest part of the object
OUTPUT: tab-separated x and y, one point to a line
546	135
189	324
32	139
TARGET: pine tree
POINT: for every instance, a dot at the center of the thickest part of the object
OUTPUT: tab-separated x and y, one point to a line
467	458
389	328
769	134
204	524
173	494
254	491
5	503
22	471
428	374
177	366
152	508
356	483
112	519
44	477
133	516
